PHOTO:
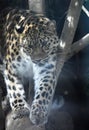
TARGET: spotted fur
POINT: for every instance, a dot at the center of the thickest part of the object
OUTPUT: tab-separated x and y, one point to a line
31	46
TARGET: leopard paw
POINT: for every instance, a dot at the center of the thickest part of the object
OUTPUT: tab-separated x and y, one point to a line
38	114
20	113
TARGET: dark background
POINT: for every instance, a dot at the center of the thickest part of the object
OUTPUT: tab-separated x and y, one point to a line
73	83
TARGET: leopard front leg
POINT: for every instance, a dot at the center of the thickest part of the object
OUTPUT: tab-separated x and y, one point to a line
44	77
16	94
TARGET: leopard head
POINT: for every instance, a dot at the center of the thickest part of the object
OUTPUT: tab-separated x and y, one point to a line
38	36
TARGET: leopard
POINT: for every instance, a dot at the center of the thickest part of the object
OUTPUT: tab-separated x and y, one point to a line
30	47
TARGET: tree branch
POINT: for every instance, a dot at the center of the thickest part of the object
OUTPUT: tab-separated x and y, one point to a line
68	32
1	68
85	11
78	46
21	124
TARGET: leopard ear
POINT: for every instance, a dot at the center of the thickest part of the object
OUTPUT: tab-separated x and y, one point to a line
53	21
52	26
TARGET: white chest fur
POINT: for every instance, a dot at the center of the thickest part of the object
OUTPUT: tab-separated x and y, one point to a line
24	67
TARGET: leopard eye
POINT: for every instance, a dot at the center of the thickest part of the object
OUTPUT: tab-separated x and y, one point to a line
46	48
19	29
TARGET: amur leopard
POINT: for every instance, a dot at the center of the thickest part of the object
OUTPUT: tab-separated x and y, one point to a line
30	47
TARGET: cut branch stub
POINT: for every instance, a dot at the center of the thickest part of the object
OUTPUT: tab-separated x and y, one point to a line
38	6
